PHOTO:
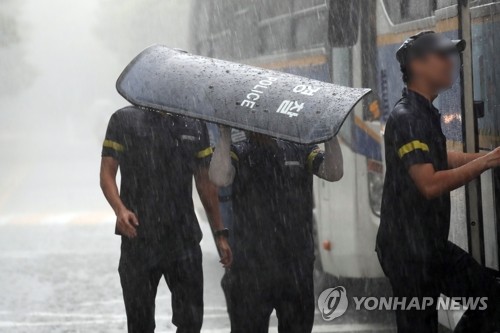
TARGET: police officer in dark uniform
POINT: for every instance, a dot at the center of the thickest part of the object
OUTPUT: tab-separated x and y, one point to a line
272	228
412	242
158	154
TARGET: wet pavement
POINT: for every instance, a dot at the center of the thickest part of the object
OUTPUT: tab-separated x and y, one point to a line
59	274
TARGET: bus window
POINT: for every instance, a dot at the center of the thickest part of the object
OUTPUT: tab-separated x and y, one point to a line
400	11
343	25
310	26
221	30
275	8
306	4
275	24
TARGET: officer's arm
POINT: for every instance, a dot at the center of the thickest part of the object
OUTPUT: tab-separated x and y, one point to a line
432	183
126	220
457	159
332	167
221	170
209	196
109	169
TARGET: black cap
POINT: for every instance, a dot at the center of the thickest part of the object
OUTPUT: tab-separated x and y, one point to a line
427	42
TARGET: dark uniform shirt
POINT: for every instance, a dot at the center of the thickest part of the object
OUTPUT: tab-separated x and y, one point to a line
272	203
412	227
158	155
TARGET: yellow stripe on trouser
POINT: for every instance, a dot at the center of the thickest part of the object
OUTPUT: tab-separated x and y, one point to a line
113	145
409	147
205	152
310	159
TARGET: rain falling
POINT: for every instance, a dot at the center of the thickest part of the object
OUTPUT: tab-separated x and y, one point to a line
249	166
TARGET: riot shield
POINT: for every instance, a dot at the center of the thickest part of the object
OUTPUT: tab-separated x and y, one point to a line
281	105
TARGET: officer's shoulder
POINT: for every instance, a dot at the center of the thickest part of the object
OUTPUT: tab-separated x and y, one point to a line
189	123
124	115
127	111
241	147
294	148
402	111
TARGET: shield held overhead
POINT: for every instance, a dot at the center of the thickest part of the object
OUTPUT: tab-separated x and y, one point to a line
278	104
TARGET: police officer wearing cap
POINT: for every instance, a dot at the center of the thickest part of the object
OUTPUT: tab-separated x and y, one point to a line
412	241
158	154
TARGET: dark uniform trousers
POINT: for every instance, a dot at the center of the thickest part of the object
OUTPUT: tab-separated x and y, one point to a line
251	296
453	273
140	278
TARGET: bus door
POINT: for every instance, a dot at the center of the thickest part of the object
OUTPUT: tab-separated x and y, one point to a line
485	22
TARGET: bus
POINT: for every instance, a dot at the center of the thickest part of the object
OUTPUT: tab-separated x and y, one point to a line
353	43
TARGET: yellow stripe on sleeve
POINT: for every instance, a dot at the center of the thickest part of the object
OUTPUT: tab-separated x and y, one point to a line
113	145
409	147
234	156
205	152
311	157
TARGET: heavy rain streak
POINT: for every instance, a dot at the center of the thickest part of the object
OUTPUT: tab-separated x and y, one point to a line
249	166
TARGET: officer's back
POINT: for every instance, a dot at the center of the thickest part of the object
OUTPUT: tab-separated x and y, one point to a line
157	163
272	199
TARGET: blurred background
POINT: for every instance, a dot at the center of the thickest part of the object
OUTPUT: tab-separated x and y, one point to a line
59	61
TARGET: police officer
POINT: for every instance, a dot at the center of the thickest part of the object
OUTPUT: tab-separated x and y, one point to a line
158	154
412	241
272	228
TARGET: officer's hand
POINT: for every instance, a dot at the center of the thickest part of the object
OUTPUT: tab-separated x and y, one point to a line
493	158
225	252
126	223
